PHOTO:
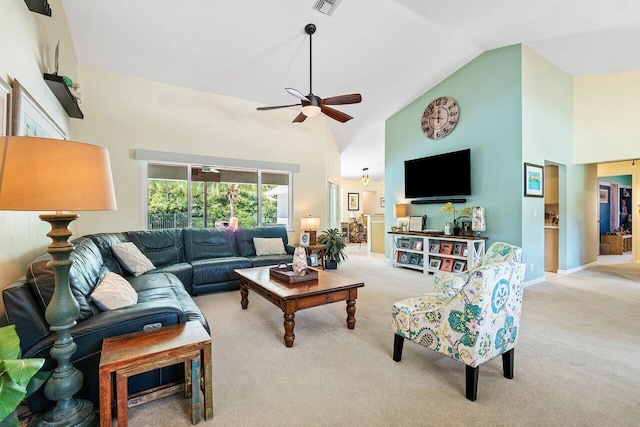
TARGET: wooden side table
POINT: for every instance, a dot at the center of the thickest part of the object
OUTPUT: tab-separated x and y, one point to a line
132	354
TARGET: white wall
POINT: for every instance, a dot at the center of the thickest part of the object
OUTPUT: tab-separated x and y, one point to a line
606	114
355	186
125	113
26	51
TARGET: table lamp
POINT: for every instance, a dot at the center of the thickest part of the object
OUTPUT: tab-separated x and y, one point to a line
38	174
400	212
309	225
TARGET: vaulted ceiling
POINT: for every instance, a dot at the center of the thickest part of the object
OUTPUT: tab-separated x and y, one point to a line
390	51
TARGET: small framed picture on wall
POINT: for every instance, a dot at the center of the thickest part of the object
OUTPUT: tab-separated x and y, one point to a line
353	201
533	180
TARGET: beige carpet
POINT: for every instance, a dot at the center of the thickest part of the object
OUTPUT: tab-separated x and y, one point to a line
576	363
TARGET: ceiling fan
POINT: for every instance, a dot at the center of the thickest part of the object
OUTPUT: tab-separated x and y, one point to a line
312	105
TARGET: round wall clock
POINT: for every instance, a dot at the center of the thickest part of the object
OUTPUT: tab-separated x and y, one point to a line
440	117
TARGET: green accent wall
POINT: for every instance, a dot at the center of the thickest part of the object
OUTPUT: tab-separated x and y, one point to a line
489	95
515	107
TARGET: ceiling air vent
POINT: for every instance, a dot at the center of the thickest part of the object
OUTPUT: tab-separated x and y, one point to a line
326	6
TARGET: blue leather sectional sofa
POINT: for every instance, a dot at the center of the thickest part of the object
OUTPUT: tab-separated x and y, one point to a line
188	262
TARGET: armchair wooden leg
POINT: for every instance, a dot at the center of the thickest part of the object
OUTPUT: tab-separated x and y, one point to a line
398	341
507	363
472	382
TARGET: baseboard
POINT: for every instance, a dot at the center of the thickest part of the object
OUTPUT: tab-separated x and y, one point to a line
575	270
533	282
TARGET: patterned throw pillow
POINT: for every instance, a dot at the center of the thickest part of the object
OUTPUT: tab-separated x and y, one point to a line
132	258
113	292
269	246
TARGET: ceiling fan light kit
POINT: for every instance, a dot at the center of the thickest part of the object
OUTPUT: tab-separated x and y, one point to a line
312	105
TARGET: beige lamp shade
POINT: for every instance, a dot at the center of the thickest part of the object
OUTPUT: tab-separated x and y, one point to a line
40	174
309	223
399	210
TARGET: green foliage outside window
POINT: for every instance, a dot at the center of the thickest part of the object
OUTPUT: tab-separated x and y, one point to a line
168	202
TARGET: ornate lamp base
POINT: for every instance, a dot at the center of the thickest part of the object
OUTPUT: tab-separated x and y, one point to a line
75	413
61	314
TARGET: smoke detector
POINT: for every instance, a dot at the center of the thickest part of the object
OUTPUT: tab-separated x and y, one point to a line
326	6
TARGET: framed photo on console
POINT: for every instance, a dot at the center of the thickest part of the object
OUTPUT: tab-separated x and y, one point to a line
457	249
417	245
458	266
415	223
434	248
447	264
446	248
434	263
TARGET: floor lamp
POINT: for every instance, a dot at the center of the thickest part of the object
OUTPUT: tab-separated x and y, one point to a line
38	174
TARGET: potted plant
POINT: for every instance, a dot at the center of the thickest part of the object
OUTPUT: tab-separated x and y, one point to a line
334	251
18	377
458	215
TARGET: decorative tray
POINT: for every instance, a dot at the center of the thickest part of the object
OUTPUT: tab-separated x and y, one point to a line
285	273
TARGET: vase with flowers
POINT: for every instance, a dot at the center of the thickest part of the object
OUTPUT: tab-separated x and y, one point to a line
458	215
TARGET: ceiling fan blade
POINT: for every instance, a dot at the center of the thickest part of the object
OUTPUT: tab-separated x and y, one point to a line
297	94
299	118
353	98
335	114
277	106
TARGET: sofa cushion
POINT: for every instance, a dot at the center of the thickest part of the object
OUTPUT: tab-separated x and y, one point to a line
244	238
216	270
132	258
269	246
104	241
204	243
183	272
113	292
85	273
261	261
164	289
162	247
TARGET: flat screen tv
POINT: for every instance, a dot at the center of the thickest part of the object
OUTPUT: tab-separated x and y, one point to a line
442	175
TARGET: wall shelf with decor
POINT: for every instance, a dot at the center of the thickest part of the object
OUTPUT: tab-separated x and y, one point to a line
62	92
436	252
39	6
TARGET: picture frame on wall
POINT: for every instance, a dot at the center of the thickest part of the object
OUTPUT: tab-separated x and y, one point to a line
5	110
533	180
28	118
382	202
604	195
353	201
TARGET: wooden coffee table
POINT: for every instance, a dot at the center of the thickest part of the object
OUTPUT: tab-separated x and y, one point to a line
291	297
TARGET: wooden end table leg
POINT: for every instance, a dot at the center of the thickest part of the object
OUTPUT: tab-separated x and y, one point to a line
122	398
195	388
244	295
106	391
188	387
351	313
289	324
208	382
321	257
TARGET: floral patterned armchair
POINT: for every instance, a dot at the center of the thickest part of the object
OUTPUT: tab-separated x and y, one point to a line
478	323
450	283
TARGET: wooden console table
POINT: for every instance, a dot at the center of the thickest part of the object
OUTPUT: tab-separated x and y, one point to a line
132	354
